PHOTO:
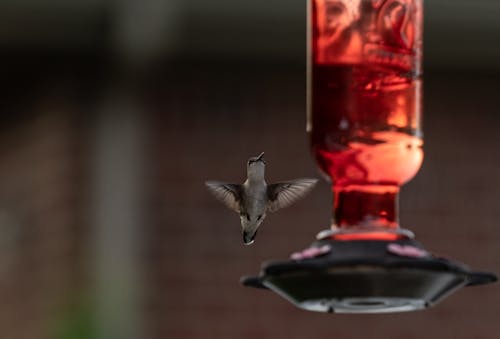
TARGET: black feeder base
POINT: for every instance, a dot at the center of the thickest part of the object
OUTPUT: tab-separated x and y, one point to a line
365	276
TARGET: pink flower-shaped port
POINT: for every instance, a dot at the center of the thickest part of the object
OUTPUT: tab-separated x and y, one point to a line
311	252
407	251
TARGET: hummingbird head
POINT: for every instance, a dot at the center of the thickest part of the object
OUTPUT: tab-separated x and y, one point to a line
256	167
250	225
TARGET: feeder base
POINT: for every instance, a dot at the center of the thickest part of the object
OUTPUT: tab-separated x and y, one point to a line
366	276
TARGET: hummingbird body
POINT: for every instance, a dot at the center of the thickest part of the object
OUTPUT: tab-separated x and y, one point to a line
253	207
255	197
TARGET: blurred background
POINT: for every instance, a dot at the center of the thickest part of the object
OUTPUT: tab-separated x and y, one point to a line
114	113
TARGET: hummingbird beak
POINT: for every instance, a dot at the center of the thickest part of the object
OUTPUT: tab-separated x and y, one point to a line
259	158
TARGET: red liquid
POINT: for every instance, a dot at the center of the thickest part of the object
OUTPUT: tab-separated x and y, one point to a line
365	125
366	104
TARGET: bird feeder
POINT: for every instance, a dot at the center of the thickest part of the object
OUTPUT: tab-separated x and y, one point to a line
364	122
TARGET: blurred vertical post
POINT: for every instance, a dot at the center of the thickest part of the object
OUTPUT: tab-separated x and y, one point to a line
116	236
145	30
141	33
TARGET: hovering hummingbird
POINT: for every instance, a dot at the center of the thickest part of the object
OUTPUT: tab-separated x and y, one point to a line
255	197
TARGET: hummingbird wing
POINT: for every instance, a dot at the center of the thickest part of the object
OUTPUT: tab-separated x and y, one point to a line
229	194
283	194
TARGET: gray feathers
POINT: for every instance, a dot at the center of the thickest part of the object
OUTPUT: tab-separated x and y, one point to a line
229	194
284	194
279	195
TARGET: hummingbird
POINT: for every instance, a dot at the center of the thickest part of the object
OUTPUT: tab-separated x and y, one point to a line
254	198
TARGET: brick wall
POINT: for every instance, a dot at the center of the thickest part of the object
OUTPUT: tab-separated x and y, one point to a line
40	222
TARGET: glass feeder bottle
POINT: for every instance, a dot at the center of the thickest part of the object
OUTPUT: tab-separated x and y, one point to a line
364	108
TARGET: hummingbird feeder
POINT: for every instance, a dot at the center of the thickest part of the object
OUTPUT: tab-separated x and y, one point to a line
364	123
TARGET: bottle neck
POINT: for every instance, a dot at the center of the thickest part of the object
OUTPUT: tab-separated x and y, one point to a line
370	208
